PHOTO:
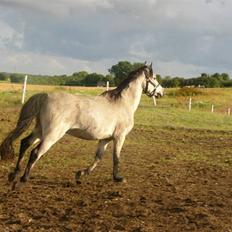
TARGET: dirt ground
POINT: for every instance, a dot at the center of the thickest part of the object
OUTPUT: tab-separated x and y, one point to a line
177	180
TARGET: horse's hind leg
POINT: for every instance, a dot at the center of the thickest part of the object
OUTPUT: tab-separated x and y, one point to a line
31	161
25	144
39	151
102	145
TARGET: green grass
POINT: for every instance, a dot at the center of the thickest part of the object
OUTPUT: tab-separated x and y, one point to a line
172	111
10	98
175	117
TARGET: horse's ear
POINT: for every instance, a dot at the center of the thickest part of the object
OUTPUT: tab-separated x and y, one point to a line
145	63
151	69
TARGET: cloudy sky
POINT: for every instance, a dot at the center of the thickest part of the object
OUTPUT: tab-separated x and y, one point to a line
181	37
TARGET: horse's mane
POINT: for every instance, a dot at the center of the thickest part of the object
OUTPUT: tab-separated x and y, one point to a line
114	94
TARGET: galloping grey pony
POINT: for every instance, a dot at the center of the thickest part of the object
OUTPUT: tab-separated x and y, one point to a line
107	117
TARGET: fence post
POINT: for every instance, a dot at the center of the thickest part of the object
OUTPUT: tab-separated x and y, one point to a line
190	104
228	111
24	89
154	100
107	85
212	108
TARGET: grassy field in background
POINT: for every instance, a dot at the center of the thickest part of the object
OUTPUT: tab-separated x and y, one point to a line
171	110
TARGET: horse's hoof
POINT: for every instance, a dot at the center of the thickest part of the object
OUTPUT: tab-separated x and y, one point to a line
78	182
78	177
11	176
119	179
23	179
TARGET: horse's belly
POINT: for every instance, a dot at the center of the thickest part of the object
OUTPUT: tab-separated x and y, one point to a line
88	135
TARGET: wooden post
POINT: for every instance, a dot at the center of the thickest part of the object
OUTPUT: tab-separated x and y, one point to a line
190	104
154	100
228	111
212	108
107	85
24	89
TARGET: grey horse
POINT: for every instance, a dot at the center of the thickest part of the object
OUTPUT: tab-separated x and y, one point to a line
107	117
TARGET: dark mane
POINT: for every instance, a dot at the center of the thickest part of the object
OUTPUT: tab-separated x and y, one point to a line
114	94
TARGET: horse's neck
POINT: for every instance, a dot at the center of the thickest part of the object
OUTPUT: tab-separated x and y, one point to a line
132	95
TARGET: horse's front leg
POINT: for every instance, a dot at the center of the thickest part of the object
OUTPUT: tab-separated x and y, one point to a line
102	145
118	143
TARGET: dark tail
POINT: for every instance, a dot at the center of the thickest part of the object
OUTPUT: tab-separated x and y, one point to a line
28	112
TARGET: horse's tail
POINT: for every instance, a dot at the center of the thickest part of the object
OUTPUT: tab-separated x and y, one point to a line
29	111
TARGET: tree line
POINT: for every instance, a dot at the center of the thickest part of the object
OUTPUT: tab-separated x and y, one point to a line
117	73
81	78
215	80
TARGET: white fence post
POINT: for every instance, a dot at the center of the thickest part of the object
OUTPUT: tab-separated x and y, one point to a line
212	108
228	111
154	100
24	89
107	85
190	104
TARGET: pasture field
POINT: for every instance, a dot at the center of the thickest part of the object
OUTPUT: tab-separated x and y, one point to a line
178	166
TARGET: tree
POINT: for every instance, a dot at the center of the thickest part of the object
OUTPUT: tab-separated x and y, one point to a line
204	75
4	77
81	74
108	78
177	82
225	76
216	76
92	79
76	79
213	82
17	78
121	70
227	83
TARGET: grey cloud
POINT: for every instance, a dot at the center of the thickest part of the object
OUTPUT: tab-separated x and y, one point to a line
193	33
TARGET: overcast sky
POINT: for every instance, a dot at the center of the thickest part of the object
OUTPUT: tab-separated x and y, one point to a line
181	37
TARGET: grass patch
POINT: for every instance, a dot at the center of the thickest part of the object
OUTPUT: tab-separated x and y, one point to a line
167	115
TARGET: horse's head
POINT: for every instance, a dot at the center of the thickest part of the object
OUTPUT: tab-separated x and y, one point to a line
151	86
